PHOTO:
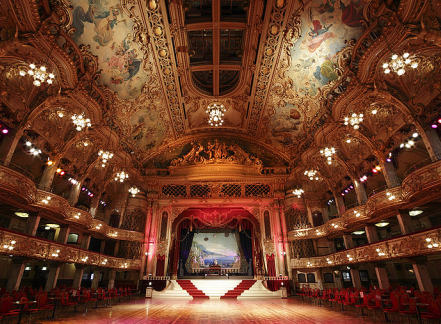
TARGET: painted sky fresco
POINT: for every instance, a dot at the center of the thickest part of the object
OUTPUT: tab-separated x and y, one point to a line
327	27
104	26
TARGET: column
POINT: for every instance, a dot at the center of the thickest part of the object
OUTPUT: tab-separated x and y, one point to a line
355	276
63	234
102	246
96	279
48	177
432	143
116	248
12	147
16	271
371	234
74	194
78	276
360	192
349	242
112	276
94	204
340	204
382	276
85	241
405	222
422	275
52	278
390	174
32	224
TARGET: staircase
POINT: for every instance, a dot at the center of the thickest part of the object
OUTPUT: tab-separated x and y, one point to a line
215	289
191	289
239	289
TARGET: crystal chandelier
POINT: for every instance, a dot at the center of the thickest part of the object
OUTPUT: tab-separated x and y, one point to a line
80	122
399	63
121	176
133	191
328	152
216	112
312	174
105	156
298	192
39	74
354	120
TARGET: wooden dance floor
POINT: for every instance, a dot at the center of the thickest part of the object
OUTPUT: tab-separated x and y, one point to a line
211	311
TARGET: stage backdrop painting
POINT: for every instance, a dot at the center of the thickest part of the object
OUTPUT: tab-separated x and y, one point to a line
210	249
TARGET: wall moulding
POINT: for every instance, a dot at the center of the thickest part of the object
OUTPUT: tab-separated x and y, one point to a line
17	189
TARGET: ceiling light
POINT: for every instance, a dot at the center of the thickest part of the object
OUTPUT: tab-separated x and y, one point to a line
358	232
312	174
80	122
39	74
121	176
21	214
382	224
354	120
105	156
216	112
399	64
53	225
415	212
298	192
328	152
133	191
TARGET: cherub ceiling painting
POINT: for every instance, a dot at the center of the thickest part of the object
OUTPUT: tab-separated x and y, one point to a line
105	27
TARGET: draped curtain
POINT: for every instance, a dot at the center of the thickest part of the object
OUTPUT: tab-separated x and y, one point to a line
185	246
160	263
246	243
273	285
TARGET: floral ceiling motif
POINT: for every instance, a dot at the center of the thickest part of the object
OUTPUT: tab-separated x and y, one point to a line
312	61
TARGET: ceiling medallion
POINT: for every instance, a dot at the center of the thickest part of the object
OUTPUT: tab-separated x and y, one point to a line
328	152
39	74
354	120
134	191
399	63
121	176
312	174
105	156
215	113
80	122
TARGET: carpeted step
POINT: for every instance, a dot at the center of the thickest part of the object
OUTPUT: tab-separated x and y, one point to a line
191	289
239	289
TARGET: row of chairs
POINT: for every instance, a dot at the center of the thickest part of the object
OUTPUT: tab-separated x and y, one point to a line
44	304
391	303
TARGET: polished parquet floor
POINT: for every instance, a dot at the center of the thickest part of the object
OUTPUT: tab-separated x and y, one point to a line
211	311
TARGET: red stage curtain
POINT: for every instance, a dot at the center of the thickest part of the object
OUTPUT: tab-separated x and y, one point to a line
160	263
273	285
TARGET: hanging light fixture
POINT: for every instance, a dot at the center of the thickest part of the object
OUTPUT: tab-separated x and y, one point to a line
134	191
80	122
216	112
328	152
298	192
121	176
312	174
39	74
354	120
105	156
399	64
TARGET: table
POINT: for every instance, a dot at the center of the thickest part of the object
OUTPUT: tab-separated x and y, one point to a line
22	304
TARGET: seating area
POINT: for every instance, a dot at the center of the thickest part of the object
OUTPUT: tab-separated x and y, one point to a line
392	305
33	304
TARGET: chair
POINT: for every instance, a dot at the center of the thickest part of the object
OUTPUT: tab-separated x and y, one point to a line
394	308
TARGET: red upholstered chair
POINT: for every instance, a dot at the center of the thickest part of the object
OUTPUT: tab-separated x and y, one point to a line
434	310
394	307
364	304
7	307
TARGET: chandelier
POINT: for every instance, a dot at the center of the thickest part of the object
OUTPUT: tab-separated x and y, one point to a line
39	74
328	152
80	122
105	156
399	64
298	192
121	176
354	120
133	191
312	174
215	113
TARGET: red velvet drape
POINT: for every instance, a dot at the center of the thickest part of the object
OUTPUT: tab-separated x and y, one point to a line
160	263
271	266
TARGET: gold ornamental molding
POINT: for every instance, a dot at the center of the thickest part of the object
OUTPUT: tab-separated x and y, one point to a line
27	246
15	187
421	243
418	187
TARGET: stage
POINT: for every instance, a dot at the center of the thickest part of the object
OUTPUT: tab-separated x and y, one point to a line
212	311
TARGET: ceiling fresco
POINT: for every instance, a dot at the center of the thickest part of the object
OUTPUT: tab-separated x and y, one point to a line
311	62
106	28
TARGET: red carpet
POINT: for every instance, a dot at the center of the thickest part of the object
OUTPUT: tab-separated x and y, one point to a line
191	289
240	288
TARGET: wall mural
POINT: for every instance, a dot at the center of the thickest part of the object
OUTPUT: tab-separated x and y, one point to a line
105	27
311	63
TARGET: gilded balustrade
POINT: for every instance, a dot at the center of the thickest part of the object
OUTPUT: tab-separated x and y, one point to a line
14	185
421	185
26	246
421	243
